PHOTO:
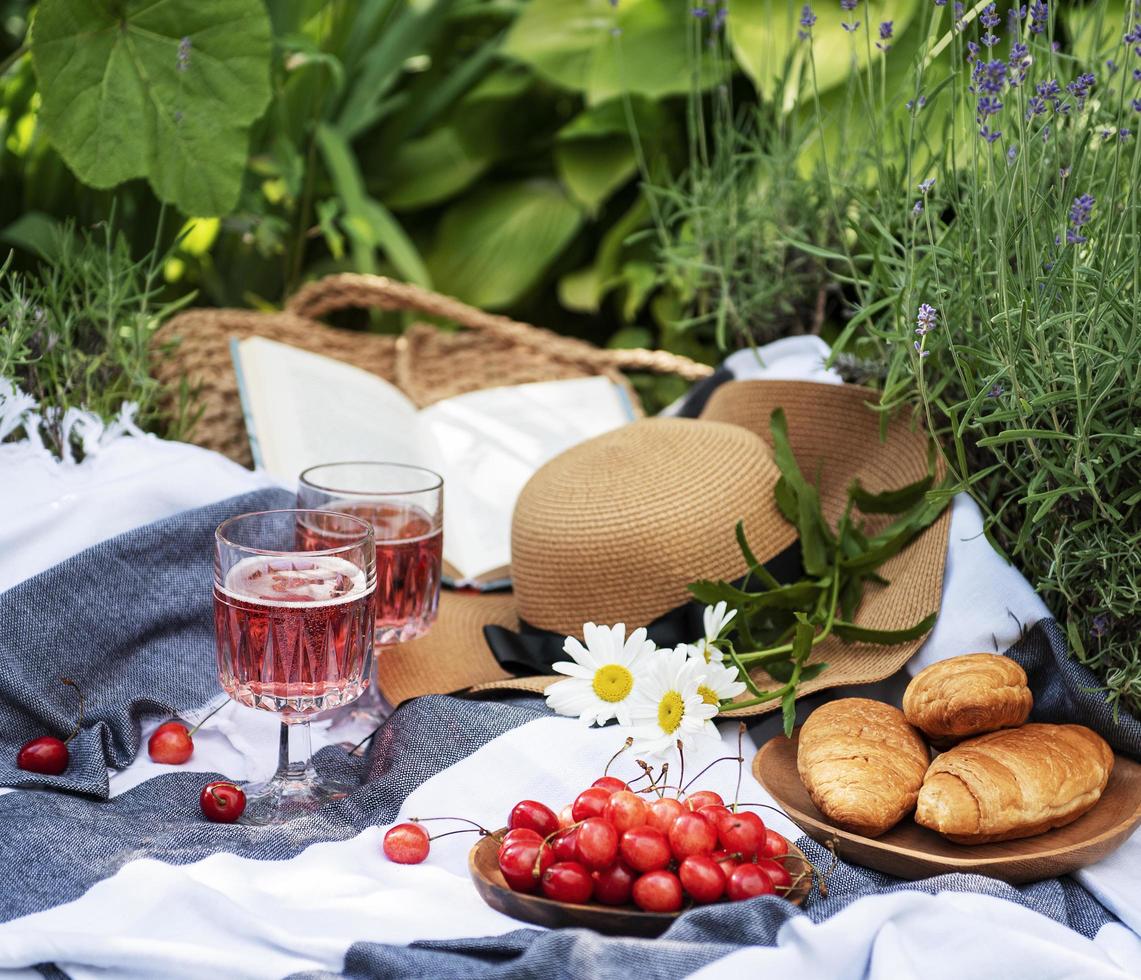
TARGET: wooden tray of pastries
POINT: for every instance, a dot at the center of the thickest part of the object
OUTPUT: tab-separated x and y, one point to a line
1014	801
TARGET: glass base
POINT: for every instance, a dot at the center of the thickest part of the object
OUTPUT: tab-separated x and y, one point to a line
280	800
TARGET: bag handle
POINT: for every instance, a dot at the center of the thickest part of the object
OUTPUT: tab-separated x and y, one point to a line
349	290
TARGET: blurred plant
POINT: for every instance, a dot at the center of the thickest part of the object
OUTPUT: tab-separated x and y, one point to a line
75	345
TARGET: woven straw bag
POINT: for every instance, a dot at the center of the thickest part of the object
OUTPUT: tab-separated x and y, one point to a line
426	363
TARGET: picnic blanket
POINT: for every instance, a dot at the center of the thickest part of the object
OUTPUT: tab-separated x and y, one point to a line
113	872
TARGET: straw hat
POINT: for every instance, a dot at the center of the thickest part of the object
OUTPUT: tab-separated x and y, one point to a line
615	529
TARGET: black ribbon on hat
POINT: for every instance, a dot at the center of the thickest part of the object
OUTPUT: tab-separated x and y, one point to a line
532	650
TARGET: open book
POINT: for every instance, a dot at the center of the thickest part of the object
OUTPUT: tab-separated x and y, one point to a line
302	409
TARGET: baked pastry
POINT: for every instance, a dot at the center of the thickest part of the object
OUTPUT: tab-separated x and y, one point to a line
1014	783
969	695
862	764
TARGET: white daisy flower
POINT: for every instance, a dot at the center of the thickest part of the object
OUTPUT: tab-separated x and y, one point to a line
668	706
604	674
716	619
720	682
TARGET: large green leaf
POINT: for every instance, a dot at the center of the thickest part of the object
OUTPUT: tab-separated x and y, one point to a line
432	168
605	49
764	38
494	245
162	90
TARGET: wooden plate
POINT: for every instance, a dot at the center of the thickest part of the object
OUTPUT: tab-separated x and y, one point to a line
911	851
625	920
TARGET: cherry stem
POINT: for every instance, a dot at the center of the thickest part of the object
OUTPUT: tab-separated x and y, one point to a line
740	762
681	774
208	717
628	743
536	868
79	694
724	758
464	830
483	830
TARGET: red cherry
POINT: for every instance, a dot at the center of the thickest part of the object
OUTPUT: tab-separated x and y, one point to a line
170	744
715	813
597	844
702	878
534	816
566	816
748	881
625	810
739	835
663	813
727	862
612	886
519	833
568	881
775	845
778	873
406	843
658	891
517	862
222	801
610	784
645	849
564	845
703	797
590	803
46	755
690	834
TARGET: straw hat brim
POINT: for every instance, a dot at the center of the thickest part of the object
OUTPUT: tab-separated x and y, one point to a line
835	436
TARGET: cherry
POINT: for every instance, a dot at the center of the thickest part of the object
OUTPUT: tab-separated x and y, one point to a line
748	881
702	878
590	803
625	810
610	783
737	833
517	862
568	881
703	797
223	802
690	834
658	891
406	843
519	833
564	845
170	743
535	816
775	844
596	844
715	813
778	873
612	886
46	755
727	861
645	849
566	816
663	813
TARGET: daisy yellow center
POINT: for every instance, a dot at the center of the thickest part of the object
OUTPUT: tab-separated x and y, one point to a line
671	709
708	695
613	683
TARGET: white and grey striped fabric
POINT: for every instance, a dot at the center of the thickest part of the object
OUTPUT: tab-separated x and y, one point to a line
110	871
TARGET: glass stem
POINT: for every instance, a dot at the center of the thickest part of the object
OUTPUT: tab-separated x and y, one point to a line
295	753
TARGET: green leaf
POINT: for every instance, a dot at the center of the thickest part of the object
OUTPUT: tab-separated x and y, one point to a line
432	168
788	711
494	245
594	169
605	50
809	519
755	567
851	633
889	501
35	232
116	104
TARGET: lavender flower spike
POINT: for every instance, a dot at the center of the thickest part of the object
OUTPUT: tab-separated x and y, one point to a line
184	54
925	319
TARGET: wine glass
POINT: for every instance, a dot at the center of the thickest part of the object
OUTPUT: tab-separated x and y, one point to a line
293	620
405	506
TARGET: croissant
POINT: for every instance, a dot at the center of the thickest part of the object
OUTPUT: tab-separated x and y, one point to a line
968	695
1014	783
862	764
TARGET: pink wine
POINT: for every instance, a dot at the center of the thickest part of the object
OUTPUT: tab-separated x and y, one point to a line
294	633
409	551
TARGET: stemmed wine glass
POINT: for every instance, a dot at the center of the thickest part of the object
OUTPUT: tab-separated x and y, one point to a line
293	620
405	506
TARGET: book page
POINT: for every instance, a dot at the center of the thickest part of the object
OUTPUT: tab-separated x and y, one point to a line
492	441
303	409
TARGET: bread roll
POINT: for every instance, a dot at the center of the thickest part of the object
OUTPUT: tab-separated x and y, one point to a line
862	764
970	695
1014	783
